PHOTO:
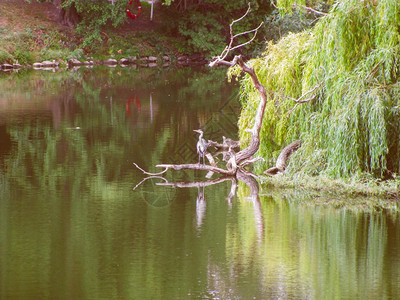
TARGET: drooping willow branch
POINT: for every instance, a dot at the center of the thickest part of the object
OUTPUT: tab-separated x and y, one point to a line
317	12
300	100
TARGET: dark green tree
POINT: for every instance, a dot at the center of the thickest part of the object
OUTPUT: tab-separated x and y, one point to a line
202	24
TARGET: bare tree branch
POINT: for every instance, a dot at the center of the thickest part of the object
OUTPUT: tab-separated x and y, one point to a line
255	130
313	10
301	100
241	18
195	183
235	161
196	167
221	58
148	173
281	162
255	30
250	161
226	143
248	152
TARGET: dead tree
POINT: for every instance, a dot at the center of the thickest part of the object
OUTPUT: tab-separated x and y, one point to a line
280	165
236	162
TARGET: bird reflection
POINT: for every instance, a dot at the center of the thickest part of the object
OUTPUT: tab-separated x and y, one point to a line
200	206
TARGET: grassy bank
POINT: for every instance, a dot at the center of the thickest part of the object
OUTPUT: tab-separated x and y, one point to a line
31	32
355	194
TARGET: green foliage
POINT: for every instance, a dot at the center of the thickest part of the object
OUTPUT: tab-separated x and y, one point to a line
205	36
95	15
288	5
3	30
5	57
348	65
191	26
50	54
205	25
34	43
77	53
215	4
278	25
23	57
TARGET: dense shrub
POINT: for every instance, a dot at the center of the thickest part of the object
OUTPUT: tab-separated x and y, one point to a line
5	57
23	57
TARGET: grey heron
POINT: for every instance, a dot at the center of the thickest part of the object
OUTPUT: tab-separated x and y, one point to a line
201	145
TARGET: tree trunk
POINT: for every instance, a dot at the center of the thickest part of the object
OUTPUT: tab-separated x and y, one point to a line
67	16
281	164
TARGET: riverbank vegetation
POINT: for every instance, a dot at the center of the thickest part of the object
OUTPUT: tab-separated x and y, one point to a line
33	31
333	84
335	87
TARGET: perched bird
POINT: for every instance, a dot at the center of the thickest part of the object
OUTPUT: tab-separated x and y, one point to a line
201	145
231	164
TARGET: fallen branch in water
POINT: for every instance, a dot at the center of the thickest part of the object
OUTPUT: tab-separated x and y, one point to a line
281	161
196	183
147	178
196	167
235	161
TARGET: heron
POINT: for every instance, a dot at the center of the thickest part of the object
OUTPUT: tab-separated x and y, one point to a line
201	145
231	164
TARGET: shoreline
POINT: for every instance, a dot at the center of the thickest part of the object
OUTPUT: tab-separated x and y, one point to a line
144	61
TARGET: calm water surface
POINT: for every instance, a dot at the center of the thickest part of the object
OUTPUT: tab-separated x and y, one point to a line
72	226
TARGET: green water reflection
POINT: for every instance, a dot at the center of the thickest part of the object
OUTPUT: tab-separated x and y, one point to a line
71	226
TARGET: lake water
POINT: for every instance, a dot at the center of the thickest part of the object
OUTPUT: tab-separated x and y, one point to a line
75	224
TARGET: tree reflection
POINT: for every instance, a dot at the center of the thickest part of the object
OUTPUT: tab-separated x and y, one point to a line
71	227
249	180
243	176
293	250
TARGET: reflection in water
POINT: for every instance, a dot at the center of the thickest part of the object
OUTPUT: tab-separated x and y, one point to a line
72	228
5	145
296	251
255	200
201	206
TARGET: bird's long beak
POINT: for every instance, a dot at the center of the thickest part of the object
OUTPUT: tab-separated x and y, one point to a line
197	130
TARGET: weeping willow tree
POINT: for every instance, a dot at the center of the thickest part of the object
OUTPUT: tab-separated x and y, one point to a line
336	87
